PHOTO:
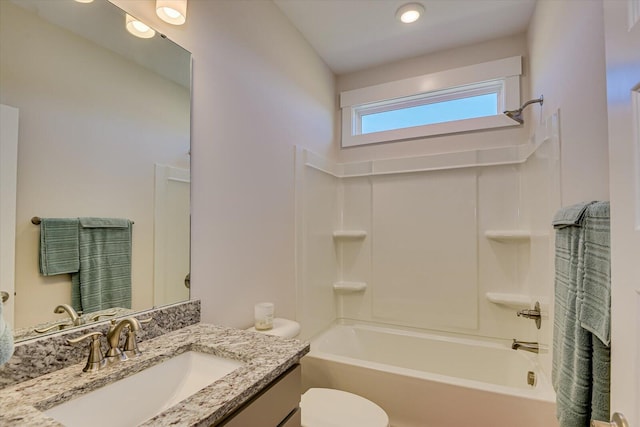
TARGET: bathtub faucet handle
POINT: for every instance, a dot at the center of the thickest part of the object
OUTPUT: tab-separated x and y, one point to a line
533	314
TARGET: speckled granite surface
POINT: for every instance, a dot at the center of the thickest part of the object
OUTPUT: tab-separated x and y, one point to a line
65	323
265	357
39	356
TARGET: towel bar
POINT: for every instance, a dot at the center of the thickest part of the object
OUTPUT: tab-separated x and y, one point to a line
36	220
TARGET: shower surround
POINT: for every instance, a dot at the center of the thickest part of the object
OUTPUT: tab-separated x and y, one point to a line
455	242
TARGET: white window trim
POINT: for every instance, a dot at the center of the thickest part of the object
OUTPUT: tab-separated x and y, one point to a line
634	13
506	71
635	100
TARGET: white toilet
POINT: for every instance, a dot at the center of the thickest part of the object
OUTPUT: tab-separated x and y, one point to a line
324	407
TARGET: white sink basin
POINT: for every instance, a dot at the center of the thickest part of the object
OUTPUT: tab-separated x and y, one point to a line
133	400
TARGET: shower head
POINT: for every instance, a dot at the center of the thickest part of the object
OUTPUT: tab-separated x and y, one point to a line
517	114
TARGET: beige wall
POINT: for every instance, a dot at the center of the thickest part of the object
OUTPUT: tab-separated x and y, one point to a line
566	46
77	157
258	90
440	61
623	85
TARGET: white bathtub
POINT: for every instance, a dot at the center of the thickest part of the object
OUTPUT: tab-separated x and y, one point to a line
432	379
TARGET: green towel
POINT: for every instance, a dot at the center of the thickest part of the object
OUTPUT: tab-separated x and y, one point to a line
570	216
104	278
600	380
59	252
6	339
594	291
580	370
571	368
594	302
104	222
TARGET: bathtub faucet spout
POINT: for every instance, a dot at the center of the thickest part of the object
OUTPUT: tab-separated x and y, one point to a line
525	345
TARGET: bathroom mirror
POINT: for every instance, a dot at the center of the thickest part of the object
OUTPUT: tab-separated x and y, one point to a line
104	131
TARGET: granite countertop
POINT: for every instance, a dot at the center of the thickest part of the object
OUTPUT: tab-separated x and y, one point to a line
65	323
266	357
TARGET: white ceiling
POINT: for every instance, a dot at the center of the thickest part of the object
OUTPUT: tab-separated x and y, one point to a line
352	35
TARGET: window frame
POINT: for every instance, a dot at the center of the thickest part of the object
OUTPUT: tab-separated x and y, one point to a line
501	77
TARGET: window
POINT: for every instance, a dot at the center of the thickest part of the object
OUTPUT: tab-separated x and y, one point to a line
429	109
455	103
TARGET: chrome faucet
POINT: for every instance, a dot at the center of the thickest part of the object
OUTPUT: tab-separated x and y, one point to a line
75	318
113	338
530	346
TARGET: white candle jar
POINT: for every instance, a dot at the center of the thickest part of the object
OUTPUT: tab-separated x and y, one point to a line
263	315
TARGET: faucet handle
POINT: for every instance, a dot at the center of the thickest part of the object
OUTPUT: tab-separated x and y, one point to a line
59	326
96	359
533	313
131	345
144	321
105	314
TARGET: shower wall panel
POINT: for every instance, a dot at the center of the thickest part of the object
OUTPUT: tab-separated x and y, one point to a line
502	265
427	255
317	262
540	200
424	254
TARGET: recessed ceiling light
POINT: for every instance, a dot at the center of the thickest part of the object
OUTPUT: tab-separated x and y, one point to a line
172	11
139	28
409	12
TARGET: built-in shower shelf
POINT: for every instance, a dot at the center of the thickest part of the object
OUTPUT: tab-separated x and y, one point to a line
507	236
349	287
349	234
510	300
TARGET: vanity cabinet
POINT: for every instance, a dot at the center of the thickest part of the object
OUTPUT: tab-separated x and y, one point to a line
275	406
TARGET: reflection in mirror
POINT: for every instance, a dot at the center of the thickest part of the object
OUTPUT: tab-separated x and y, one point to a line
104	122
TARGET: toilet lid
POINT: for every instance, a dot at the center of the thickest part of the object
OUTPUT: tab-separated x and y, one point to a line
323	407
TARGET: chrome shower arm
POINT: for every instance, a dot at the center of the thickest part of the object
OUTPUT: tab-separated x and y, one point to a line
532	101
517	114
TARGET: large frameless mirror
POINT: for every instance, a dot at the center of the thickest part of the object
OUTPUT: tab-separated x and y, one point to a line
103	131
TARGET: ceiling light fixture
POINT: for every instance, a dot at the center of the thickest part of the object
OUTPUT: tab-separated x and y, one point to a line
139	28
84	1
172	11
409	12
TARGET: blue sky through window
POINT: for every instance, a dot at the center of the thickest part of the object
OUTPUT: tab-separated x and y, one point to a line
439	112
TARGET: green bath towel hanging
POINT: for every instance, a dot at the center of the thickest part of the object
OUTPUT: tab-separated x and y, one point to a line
59	246
104	278
581	353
